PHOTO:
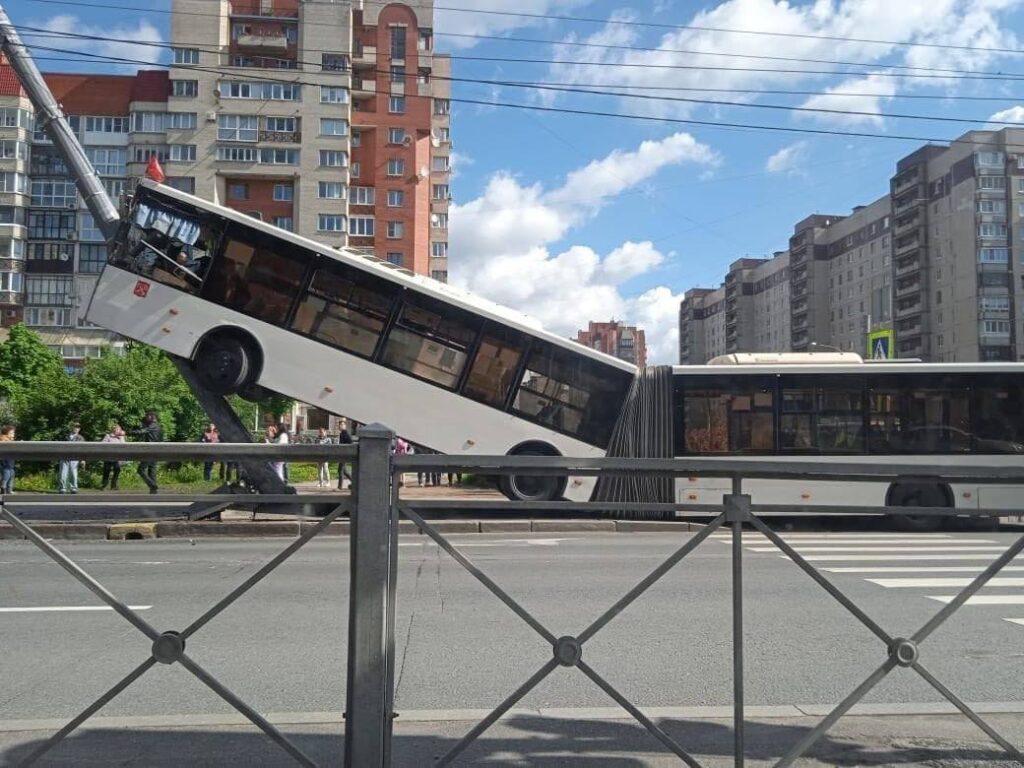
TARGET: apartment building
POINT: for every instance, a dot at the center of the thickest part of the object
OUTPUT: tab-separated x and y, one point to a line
932	261
626	342
324	118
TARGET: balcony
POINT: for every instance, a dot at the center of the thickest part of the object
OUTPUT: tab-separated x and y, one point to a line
906	246
800	324
908	266
906	204
911	348
907	223
907	287
364	56
363	88
281	137
268	40
908	308
12	298
908	328
906	182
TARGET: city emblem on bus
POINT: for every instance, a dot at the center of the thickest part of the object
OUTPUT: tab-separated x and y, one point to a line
142	289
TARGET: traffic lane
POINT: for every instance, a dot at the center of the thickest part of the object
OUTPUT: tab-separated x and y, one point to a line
59	511
282	648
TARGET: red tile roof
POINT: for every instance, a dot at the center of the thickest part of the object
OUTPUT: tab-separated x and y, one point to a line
9	85
87	94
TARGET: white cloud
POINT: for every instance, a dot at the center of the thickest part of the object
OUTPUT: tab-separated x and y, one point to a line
501	245
786	159
142	32
1011	115
478	22
864	95
459	160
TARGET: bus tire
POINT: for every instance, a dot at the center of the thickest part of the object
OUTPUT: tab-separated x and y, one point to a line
533	487
226	363
919	495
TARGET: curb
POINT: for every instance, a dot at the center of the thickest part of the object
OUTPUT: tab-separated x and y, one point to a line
291	529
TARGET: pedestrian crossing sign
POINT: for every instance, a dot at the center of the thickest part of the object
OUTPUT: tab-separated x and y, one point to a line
882	344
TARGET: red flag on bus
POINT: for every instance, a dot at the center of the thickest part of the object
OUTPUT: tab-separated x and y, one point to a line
155	172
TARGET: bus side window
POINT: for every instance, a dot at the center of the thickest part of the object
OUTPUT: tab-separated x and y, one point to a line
341	311
821	417
730	419
998	416
493	369
430	341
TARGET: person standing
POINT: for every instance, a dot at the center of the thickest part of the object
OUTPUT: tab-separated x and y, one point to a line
270	436
323	476
112	469
7	463
67	469
283	438
149	432
344	438
211	435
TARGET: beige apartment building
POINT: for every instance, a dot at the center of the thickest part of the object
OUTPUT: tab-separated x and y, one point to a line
932	261
330	119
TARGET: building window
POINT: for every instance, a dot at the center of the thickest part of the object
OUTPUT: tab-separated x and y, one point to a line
260	91
237	154
186	55
238	191
397	73
185	88
11	149
356	171
990	158
994	255
395	258
182	153
237	128
333	126
47	317
279	156
286	223
396	167
284	193
363	196
361	226
991	230
12	281
995	304
49	290
17	118
331	190
330	222
143	153
396	135
106	124
426	40
14	183
395	230
333	158
423	76
148	122
90	232
279	125
439	221
995	327
183	183
440	163
991	206
334	62
991	182
91	258
50	225
398	34
442	106
333	94
181	121
109	162
443	135
441	275
357	138
441	192
396	198
439	250
396	105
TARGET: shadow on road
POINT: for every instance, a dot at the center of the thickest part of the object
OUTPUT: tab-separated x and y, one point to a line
518	741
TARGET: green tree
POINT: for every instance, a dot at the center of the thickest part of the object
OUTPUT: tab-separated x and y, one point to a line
23	358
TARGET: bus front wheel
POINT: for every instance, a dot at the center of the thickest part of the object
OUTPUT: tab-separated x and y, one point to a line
918	495
532	487
225	364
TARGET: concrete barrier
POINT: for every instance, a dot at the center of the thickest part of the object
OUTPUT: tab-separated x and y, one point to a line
130	531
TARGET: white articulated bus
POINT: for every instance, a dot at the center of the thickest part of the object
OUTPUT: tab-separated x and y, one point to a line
253	306
843	409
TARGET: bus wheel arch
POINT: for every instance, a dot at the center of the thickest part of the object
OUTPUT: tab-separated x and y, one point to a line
228	360
533	487
919	493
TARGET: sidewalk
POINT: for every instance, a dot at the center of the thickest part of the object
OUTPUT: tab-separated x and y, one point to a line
935	741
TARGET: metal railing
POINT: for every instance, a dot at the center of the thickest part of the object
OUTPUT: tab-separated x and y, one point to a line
378	505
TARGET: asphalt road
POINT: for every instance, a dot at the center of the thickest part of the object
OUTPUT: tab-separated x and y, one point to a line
282	647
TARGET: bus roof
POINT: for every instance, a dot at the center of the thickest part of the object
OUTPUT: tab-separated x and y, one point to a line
851	369
442	291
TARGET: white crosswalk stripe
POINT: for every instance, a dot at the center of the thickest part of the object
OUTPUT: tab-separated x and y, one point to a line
939	561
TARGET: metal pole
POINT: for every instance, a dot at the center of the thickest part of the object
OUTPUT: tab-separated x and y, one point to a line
368	714
737	630
51	118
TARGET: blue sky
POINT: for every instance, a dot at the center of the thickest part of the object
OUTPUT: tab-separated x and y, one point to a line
571	217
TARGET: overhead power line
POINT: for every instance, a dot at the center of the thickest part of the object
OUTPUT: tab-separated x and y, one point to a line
613	22
594	92
713	124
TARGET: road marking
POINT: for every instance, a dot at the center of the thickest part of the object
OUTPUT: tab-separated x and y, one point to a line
922	569
983	599
69	608
940	582
462	543
861	542
1016	621
925	548
876	558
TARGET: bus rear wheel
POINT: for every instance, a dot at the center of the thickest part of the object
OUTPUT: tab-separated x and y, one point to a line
225	364
532	487
918	495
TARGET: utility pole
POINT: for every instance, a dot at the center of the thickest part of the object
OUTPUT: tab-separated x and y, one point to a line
51	118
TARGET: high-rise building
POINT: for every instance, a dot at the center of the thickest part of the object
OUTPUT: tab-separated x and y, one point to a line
932	262
321	117
626	342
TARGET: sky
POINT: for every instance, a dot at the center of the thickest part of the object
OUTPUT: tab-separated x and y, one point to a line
572	217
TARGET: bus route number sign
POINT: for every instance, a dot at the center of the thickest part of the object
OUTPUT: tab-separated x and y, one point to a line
142	289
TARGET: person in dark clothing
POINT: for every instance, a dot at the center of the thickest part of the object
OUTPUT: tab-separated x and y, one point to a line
149	432
211	435
344	438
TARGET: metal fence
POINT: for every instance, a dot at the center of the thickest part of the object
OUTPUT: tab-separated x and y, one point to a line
376	509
